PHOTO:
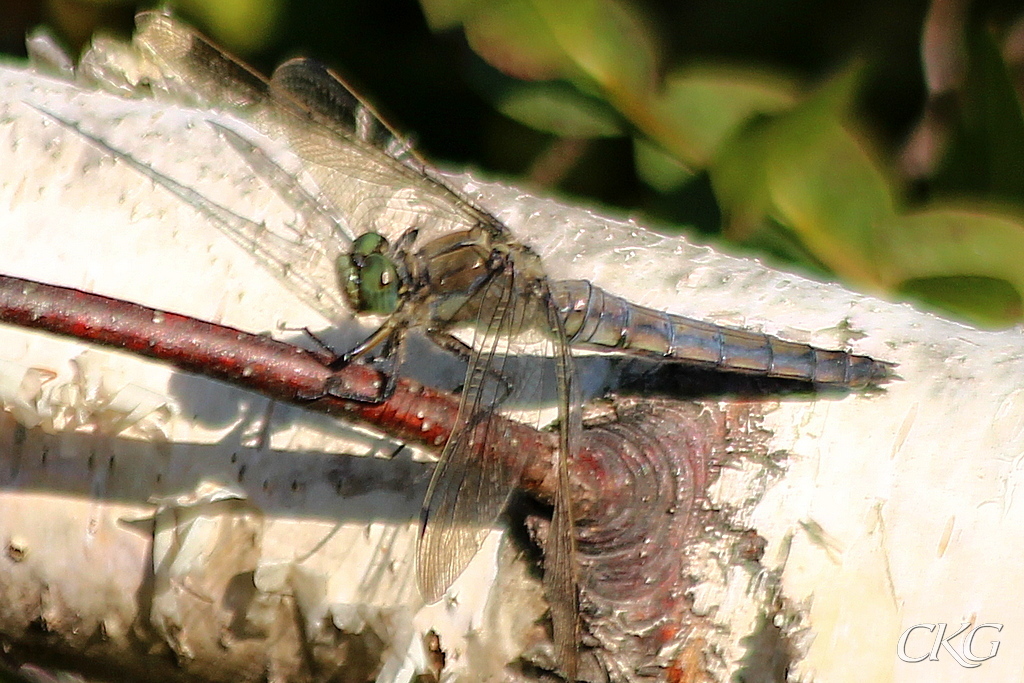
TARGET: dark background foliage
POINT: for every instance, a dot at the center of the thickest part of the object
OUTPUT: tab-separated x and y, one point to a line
874	142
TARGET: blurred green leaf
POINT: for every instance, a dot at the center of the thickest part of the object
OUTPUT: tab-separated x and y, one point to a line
953	242
739	176
606	42
828	188
515	39
243	26
556	107
804	172
704	106
986	152
782	244
658	168
599	45
986	301
446	14
808	172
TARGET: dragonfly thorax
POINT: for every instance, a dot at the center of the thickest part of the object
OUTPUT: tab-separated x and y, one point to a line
456	264
368	277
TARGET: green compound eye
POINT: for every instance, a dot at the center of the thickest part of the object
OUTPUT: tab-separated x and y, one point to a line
368	277
369	243
378	285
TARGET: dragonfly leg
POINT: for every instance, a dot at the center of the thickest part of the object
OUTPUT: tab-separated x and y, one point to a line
465	352
328	354
388	339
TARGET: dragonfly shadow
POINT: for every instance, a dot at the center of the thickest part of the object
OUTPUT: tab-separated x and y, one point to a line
336	487
639	377
424	363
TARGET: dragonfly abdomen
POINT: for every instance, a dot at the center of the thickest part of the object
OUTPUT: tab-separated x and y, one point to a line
596	319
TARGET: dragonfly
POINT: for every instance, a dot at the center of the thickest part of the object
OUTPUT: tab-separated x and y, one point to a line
386	236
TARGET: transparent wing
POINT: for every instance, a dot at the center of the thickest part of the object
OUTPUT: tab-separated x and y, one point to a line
375	193
473	478
332	100
372	182
355	155
305	268
561	574
302	254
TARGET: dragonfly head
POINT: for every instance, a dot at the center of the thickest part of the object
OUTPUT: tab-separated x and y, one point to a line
368	277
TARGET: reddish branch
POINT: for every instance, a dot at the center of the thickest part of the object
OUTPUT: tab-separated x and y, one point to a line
638	481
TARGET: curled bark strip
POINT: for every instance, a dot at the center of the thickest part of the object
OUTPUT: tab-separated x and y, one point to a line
644	477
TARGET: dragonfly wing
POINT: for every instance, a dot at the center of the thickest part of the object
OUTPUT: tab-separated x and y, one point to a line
305	271
375	193
476	475
561	574
372	183
362	164
333	101
194	69
478	469
302	253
